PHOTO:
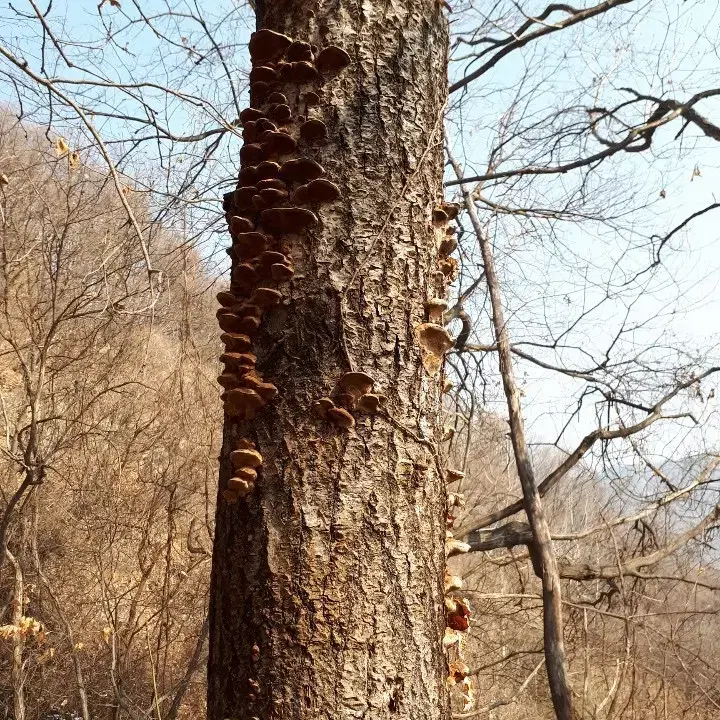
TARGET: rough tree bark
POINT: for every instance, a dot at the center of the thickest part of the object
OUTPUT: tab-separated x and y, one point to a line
327	583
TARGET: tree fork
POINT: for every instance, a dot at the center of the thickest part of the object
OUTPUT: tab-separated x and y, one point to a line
327	595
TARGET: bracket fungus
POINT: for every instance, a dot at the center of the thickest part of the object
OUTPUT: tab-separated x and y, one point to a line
235	342
458	614
356	383
263	73
449	267
452	476
436	308
265	297
281	272
288	219
313	131
321	406
280	112
267	169
341	417
321	191
302	72
298	51
278	143
455	547
250	114
251	154
311	98
434	341
452	582
273	196
301	170
458	671
246	457
242	403
240	224
267	44
277	98
456	500
370	403
242	488
448	245
332	59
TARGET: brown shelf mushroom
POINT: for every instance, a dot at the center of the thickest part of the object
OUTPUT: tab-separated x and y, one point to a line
267	44
242	403
235	342
281	272
332	59
280	113
263	73
240	363
250	114
241	487
301	170
244	195
452	476
274	183
298	51
267	169
227	299
228	380
302	72
246	457
313	131
436	308
277	98
240	224
291	219
258	92
250	244
448	245
321	406
251	154
311	98
244	274
434	341
278	143
247	175
229	322
370	403
341	417
267	391
321	191
454	547
457	672
265	297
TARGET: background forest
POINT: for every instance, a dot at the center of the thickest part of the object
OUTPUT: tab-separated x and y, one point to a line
583	146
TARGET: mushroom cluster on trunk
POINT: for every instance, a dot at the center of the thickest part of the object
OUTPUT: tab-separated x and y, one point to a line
278	193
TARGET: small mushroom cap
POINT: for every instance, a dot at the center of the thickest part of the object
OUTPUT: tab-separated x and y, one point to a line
436	307
457	672
280	112
249	245
433	338
341	417
251	154
439	216
266	297
246	473
238	360
447	386
322	405
230	496
456	500
263	73
246	457
278	143
229	322
243	196
332	59
453	475
266	44
228	380
450	638
369	403
250	114
453	582
280	272
271	183
267	169
227	299
301	170
235	342
449	267
240	486
267	391
455	547
311	98
313	131
245	444
239	224
291	219
448	245
242	403
247	176
277	98
244	274
452	210
273	196
356	383
299	50
346	400
322	191
302	72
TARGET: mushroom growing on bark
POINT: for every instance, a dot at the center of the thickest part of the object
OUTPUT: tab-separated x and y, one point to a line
332	59
434	342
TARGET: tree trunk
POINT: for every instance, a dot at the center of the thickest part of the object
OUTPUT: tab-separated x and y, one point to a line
327	582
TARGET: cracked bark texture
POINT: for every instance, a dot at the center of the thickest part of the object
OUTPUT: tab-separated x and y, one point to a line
334	566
